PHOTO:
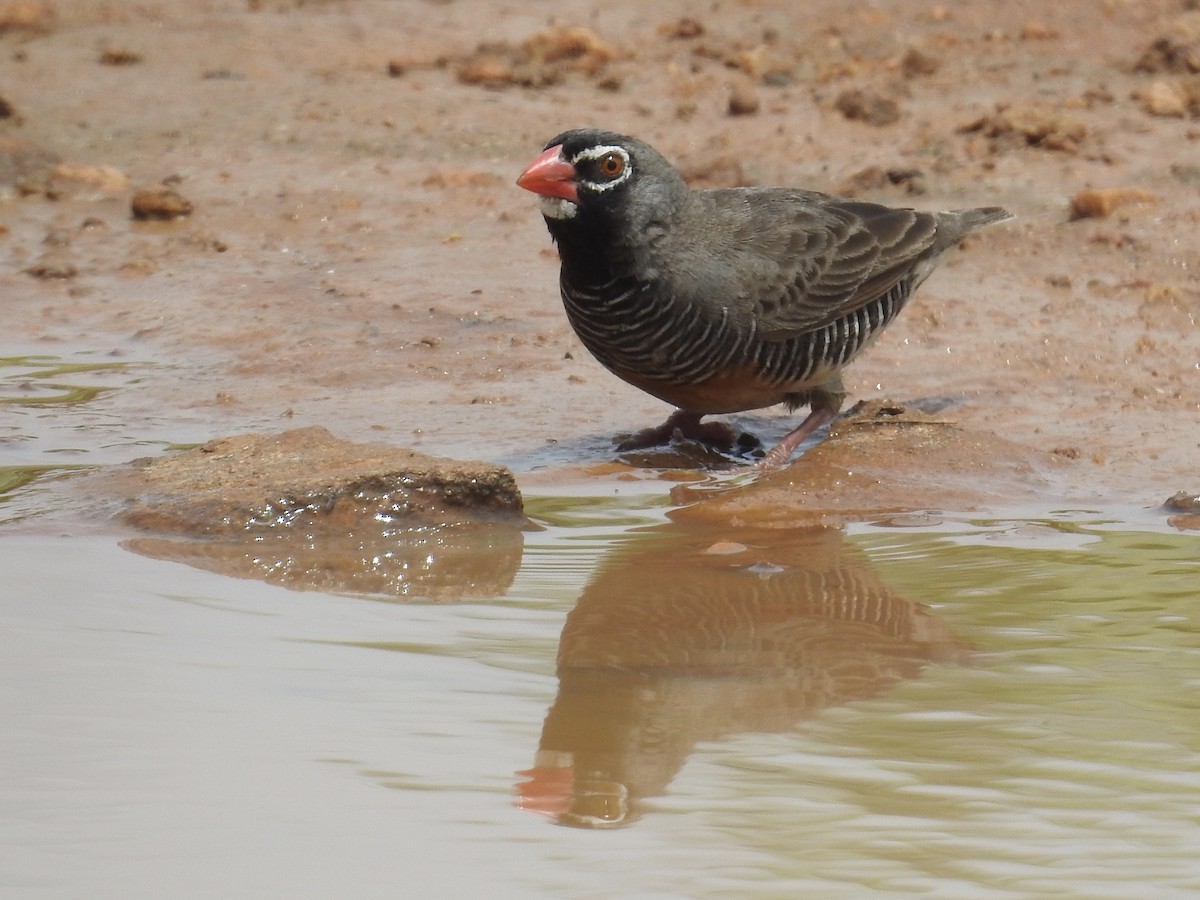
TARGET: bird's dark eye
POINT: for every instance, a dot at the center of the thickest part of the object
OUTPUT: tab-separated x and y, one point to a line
612	165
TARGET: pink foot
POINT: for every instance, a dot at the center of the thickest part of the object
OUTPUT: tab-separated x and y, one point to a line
782	452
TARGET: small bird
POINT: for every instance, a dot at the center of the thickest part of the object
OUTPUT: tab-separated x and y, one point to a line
720	301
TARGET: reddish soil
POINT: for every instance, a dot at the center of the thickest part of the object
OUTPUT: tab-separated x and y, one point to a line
308	209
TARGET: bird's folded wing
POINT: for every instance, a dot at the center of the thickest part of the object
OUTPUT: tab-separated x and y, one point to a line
846	255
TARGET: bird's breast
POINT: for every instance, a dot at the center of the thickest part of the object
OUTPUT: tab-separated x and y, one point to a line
730	390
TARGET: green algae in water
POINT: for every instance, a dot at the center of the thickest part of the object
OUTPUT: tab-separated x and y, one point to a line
14	478
38	383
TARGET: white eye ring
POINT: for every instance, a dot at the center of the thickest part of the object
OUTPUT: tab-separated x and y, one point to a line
599	152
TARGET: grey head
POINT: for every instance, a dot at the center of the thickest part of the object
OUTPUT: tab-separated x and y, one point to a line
602	193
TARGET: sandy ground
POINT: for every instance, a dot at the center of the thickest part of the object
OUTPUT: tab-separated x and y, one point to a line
356	254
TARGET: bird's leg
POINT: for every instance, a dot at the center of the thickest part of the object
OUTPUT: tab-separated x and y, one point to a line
782	452
825	401
687	425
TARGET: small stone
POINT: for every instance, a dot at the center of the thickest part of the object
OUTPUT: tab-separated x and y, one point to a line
159	203
916	62
53	266
1184	502
83	182
682	29
867	106
119	58
1166	98
725	548
743	100
1032	126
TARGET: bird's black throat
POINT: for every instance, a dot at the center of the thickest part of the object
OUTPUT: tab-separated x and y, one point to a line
590	250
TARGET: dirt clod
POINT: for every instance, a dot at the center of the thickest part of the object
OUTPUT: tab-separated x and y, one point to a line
876	178
27	15
1170	99
862	105
743	100
1101	203
1178	50
1011	127
544	58
53	265
120	58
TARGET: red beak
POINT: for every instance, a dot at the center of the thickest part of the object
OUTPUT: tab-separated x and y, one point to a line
551	176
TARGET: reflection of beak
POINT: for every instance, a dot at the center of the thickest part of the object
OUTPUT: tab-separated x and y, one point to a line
551	176
591	804
548	790
552	790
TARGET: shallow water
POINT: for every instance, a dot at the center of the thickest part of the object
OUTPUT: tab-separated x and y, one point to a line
933	705
987	708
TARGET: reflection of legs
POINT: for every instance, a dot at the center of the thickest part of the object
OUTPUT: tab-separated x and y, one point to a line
687	425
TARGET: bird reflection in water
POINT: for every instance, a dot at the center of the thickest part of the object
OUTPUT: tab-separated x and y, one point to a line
685	637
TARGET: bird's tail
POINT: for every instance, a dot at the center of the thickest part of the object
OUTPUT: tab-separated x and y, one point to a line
953	226
971	219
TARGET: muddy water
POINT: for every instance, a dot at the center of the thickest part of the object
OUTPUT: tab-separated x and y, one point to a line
961	708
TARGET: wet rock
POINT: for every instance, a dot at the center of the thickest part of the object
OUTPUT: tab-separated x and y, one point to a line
1186	505
1184	502
308	478
312	512
880	458
159	203
1101	203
